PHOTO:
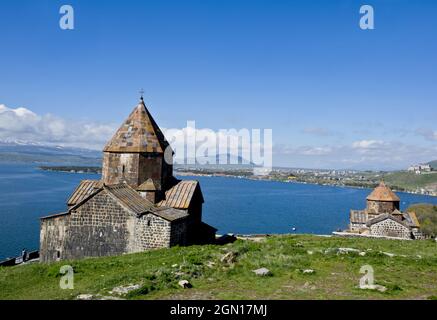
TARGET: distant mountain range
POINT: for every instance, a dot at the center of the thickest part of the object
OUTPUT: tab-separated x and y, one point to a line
28	152
218	160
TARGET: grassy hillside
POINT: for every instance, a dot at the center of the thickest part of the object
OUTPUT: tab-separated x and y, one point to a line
410	274
404	180
433	164
427	216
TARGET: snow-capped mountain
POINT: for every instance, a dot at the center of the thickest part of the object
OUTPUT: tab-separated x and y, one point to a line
29	151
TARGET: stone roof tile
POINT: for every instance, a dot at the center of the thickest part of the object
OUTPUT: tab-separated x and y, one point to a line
180	195
129	198
383	193
83	190
139	133
148	185
170	214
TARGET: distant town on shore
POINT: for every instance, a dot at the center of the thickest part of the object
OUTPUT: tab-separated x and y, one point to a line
420	178
417	179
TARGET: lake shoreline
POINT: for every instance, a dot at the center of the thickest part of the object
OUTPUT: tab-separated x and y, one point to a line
235	205
294	182
97	170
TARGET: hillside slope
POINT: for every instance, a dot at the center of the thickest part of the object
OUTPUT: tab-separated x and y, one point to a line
427	216
410	274
409	181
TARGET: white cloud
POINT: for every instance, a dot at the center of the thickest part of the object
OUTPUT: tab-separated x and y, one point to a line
24	125
205	144
315	151
361	154
368	144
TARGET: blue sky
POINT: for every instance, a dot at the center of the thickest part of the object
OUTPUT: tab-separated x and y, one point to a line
334	95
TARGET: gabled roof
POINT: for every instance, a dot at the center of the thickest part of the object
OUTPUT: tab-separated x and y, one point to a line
207	227
385	216
83	190
412	220
397	212
55	215
170	214
180	195
383	193
148	185
129	198
139	133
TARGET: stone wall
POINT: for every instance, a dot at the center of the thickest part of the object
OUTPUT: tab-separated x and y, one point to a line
382	206
195	208
135	168
52	235
151	232
390	228
153	166
353	226
102	227
418	235
98	228
119	167
179	233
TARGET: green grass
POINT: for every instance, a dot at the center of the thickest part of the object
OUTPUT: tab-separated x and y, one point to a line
336	276
410	181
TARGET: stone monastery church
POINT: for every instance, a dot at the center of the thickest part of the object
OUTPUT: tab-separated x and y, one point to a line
383	218
137	205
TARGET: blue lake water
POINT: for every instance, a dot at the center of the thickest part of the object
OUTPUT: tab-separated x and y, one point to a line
231	204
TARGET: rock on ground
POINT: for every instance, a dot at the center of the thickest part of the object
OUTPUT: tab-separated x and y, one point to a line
123	290
376	287
262	272
185	284
347	250
391	255
229	258
307	285
96	297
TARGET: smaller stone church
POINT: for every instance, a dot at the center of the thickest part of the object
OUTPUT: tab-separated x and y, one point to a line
382	217
137	205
